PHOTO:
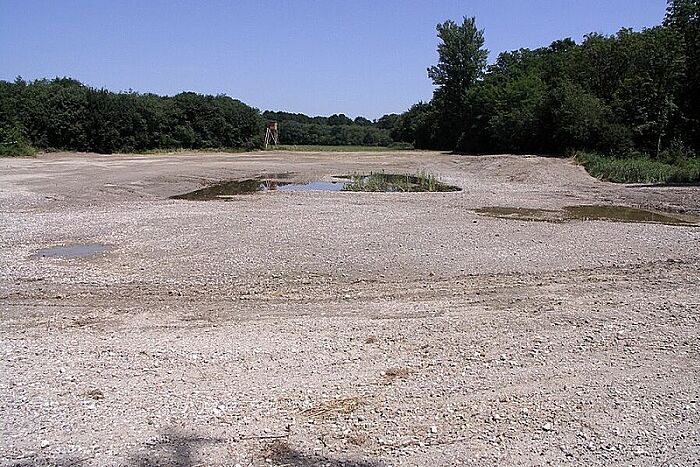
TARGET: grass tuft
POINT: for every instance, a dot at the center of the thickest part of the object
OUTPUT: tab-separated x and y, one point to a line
382	182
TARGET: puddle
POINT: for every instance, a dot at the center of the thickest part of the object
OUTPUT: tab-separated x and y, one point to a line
229	189
373	182
622	214
313	186
80	250
586	212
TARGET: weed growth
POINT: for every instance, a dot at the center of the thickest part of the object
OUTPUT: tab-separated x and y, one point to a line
641	169
381	182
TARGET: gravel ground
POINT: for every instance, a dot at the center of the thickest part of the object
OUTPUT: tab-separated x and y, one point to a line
357	329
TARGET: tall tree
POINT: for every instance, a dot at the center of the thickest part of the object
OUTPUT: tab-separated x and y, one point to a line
461	63
684	17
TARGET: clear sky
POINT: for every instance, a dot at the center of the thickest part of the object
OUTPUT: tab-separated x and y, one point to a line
358	57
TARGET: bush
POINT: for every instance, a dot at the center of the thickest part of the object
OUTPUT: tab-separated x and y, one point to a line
676	151
14	143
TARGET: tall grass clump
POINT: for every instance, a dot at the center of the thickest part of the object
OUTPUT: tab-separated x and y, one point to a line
641	169
382	182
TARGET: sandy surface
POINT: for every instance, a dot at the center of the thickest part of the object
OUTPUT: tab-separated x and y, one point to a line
358	329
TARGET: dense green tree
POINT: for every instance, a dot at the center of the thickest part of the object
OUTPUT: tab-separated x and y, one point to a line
518	107
416	126
64	114
632	93
339	119
647	98
574	118
387	122
683	16
461	63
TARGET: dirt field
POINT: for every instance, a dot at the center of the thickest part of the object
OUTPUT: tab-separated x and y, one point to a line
357	329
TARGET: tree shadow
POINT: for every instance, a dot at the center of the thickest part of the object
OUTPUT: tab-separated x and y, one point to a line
67	461
176	450
168	449
171	449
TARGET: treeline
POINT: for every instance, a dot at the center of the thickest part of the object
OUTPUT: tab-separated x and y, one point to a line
630	95
633	94
335	130
64	114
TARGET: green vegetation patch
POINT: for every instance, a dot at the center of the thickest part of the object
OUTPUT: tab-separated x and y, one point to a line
14	144
401	183
640	169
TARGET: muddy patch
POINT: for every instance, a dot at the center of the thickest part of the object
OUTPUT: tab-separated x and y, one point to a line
230	190
78	250
524	214
374	182
226	190
622	214
588	213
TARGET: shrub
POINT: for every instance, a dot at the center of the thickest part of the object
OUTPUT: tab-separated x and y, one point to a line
14	143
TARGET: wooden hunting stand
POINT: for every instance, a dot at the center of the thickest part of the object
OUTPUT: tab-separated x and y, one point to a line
272	134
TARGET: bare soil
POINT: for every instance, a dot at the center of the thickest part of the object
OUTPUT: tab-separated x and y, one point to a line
357	329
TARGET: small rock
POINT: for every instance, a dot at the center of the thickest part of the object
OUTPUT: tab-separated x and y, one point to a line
548	427
433	429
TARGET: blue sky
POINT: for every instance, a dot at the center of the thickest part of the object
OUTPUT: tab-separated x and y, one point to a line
359	57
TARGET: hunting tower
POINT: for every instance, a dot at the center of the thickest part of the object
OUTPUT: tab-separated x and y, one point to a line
272	134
